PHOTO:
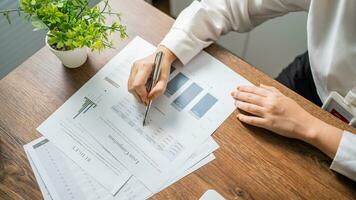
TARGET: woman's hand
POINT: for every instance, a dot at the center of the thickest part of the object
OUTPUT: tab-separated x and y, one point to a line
271	110
141	71
268	108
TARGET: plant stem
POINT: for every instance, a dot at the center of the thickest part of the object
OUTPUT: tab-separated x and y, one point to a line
12	10
111	13
82	9
106	4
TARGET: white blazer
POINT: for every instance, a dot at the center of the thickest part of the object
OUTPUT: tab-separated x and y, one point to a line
331	32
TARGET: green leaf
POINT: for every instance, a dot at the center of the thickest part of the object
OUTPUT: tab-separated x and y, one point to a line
72	23
60	45
38	25
68	42
52	40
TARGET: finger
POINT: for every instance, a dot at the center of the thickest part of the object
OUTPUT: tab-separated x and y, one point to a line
141	92
254	90
250	108
134	68
142	75
131	79
137	97
157	90
161	85
252	120
270	88
248	97
139	83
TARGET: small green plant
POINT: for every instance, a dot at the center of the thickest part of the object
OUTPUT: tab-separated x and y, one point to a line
71	23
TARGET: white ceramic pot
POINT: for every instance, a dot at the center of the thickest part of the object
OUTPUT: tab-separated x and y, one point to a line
71	59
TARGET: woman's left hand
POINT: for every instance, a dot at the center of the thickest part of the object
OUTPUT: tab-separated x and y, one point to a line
270	109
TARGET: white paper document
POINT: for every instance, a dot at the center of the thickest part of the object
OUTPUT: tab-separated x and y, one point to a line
45	193
60	178
100	126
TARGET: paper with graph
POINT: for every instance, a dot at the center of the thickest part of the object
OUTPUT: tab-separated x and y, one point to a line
60	178
100	126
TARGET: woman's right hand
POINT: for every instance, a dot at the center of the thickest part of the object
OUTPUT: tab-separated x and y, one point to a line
141	71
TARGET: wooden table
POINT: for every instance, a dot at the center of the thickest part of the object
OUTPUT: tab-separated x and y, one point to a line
251	163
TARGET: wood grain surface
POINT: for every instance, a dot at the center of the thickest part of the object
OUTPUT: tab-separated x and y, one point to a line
251	163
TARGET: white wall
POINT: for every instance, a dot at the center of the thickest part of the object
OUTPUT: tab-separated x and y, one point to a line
270	46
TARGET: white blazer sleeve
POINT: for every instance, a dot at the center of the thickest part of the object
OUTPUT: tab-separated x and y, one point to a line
203	22
345	158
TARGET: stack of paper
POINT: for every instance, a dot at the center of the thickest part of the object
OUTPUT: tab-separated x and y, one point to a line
60	178
99	148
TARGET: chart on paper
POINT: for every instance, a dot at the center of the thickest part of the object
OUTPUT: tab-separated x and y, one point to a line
65	180
60	178
107	122
205	103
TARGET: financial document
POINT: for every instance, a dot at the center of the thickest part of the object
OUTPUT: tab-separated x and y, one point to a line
61	179
100	126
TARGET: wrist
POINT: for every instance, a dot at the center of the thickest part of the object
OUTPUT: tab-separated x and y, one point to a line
310	128
323	136
312	132
169	56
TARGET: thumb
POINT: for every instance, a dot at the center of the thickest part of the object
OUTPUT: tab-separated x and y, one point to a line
158	89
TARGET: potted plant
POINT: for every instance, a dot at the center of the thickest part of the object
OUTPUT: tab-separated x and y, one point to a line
72	26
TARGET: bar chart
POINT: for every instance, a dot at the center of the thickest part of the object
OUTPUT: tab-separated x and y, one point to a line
88	104
204	104
187	96
175	84
189	93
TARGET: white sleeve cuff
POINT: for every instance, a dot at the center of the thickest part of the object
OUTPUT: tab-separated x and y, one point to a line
184	46
345	158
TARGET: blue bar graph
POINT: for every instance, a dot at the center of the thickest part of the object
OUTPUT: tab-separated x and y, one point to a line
186	97
175	84
203	105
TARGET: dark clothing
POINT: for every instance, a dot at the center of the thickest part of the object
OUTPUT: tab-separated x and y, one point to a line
298	77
